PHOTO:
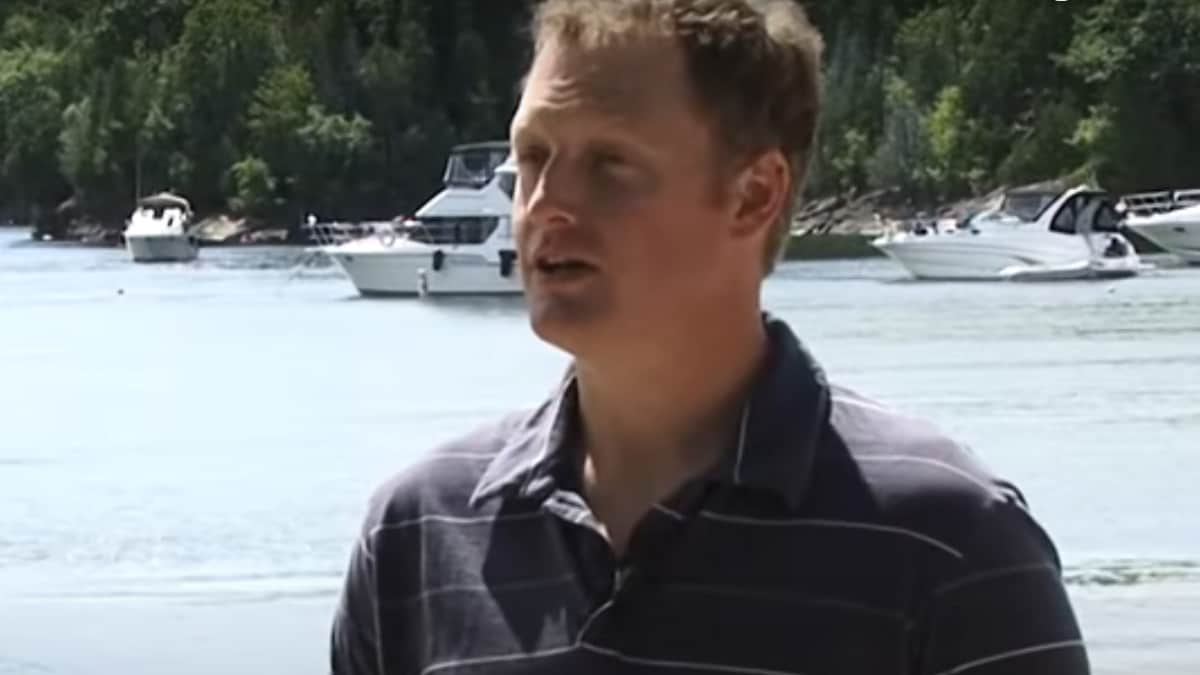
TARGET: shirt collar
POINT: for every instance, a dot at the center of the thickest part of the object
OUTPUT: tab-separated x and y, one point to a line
783	417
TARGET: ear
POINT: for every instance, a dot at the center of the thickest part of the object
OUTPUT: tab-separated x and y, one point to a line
760	193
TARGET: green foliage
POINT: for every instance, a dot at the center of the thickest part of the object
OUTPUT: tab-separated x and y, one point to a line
253	187
902	157
84	144
981	94
346	108
1050	144
953	141
333	151
1141	58
277	110
31	112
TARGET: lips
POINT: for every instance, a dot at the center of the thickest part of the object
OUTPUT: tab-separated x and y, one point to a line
559	269
552	265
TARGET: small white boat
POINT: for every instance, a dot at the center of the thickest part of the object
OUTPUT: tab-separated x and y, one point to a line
459	243
1074	235
158	230
1169	220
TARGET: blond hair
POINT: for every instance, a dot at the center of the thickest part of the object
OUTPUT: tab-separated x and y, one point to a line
754	65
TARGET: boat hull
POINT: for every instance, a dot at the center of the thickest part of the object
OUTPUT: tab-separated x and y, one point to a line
1176	233
147	248
1019	256
412	274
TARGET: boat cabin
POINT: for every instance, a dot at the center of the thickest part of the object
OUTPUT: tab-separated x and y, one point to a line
477	198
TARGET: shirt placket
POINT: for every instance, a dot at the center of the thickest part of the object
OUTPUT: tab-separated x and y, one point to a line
614	585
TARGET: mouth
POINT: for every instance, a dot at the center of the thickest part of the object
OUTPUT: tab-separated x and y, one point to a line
564	268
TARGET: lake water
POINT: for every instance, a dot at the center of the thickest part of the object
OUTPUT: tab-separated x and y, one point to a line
185	450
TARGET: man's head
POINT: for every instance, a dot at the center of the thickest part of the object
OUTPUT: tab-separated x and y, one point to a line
660	146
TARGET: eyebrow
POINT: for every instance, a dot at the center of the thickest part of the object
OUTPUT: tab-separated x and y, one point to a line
604	110
604	127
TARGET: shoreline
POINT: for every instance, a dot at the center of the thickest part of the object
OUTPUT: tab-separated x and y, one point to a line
799	247
217	229
838	226
807	247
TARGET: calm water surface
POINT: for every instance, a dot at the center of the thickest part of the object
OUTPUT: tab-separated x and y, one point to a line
185	449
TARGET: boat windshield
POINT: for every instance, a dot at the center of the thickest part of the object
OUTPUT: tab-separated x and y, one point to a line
158	212
473	167
1028	206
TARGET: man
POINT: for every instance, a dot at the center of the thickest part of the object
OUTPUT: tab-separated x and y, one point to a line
694	497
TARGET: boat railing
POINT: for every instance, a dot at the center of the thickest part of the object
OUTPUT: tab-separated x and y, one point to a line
325	235
1151	203
1187	198
336	233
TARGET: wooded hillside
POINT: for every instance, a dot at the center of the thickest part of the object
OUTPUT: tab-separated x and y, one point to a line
346	108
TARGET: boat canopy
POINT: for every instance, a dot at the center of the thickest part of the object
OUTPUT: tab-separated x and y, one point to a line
165	200
472	165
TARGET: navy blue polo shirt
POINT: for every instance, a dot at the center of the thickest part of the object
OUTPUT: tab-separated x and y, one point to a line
836	536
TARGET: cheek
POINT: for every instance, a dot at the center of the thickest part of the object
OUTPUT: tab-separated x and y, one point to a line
519	229
673	244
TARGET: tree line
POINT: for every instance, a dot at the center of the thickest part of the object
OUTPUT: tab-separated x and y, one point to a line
346	108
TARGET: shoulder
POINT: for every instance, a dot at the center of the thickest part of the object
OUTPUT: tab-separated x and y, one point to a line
917	477
388	560
994	594
901	456
440	481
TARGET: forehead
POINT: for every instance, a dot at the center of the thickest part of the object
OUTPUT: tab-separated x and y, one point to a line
634	81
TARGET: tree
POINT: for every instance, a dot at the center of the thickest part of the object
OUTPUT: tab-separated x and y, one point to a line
30	123
253	188
1142	58
348	107
225	49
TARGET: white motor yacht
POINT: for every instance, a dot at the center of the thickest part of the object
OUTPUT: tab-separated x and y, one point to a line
460	242
1075	235
158	230
1169	220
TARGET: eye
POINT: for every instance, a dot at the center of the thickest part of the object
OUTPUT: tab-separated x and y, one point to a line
610	164
608	160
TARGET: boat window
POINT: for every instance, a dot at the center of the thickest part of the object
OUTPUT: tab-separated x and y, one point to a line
508	182
1185	198
452	231
1106	219
1064	220
1086	215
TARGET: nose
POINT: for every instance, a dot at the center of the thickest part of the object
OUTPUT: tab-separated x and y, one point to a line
554	195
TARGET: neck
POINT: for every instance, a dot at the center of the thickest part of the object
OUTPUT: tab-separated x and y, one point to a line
651	421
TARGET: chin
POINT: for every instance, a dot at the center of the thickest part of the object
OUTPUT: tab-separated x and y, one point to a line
572	325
